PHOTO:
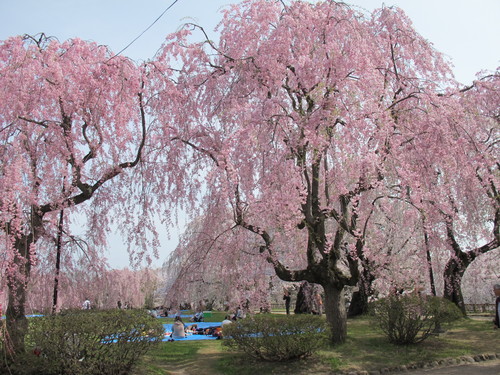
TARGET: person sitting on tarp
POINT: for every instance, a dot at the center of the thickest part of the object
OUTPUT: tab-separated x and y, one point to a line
162	312
195	329
178	329
239	313
198	317
208	331
227	320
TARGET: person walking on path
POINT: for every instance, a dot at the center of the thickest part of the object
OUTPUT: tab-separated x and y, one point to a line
318	303
496	289
287	298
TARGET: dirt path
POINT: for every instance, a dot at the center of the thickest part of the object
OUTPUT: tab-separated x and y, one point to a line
197	367
204	363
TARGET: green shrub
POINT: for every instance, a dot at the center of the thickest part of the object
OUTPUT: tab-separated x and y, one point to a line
409	319
91	342
276	338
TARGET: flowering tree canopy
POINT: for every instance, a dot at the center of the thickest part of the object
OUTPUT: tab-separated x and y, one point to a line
71	119
454	160
307	138
472	217
294	120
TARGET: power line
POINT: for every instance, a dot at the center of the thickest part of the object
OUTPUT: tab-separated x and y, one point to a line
156	20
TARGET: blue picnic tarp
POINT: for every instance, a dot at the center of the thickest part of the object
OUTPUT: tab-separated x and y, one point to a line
27	316
190	336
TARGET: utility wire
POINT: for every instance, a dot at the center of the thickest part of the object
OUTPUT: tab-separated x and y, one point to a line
150	26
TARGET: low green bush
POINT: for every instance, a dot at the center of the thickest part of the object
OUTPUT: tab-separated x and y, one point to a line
409	319
276	338
90	342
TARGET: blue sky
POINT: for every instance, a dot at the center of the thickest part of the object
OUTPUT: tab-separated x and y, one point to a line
468	32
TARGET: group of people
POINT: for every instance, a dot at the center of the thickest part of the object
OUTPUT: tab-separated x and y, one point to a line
86	305
180	330
309	300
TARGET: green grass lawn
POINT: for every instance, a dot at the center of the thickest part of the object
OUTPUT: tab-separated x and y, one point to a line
365	349
217	316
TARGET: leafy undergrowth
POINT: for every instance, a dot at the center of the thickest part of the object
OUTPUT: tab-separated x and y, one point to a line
366	348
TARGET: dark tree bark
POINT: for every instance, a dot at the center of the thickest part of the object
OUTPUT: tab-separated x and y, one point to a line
17	282
16	321
359	300
460	260
429	259
58	261
453	274
335	311
303	305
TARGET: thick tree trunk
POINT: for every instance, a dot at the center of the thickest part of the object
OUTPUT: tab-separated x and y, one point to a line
336	314
17	281
460	260
303	304
358	305
17	324
453	283
18	277
359	300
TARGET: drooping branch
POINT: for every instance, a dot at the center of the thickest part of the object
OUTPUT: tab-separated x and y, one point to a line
87	190
202	150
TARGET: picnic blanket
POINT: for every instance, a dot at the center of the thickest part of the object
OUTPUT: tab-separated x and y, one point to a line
27	316
189	335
